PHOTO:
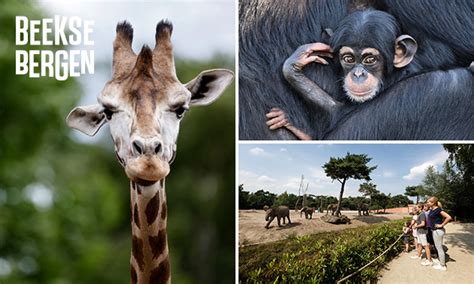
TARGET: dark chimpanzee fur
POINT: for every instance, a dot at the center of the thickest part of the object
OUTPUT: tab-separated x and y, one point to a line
437	105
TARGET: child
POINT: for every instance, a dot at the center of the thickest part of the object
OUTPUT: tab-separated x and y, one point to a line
415	213
406	235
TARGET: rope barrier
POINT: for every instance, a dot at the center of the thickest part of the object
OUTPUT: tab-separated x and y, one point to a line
368	264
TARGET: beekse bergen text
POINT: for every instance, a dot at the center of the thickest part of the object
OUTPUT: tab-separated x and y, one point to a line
60	64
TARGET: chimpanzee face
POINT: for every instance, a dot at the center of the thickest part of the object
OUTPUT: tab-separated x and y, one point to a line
363	72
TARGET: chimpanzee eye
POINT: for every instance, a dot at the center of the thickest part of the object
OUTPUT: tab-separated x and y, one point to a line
108	113
370	60
180	112
348	58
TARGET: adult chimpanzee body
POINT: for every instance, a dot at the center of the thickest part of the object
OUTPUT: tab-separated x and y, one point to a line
270	31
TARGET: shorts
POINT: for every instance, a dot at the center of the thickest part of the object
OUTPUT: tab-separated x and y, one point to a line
422	239
406	239
416	239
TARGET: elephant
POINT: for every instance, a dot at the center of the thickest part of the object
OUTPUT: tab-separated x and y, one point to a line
364	208
332	207
308	212
279	212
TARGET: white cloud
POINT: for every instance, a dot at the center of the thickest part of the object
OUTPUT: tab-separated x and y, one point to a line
265	179
258	152
388	174
419	170
318	173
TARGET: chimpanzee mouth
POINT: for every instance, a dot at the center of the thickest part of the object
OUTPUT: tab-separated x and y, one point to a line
360	94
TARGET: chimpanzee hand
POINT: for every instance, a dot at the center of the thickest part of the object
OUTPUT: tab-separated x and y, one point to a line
307	53
277	119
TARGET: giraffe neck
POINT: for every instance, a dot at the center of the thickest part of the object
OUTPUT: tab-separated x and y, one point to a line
149	262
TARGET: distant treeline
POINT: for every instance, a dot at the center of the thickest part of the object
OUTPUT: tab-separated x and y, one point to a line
260	198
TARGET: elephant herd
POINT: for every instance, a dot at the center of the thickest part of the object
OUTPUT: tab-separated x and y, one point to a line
283	212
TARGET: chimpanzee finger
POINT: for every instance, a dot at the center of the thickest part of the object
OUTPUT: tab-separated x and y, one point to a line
279	124
324	54
320	60
273	114
319	46
275	120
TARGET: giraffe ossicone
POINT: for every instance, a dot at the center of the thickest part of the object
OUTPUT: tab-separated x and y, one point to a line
143	104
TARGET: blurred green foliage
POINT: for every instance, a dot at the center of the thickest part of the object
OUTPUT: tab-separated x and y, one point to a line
64	205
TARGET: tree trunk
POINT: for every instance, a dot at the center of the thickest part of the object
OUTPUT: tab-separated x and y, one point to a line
338	210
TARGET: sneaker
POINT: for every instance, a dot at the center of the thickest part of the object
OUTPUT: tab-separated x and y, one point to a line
426	262
439	267
415	257
436	261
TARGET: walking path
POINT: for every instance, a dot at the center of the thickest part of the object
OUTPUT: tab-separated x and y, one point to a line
459	241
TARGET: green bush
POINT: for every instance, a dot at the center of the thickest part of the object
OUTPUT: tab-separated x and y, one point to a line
321	258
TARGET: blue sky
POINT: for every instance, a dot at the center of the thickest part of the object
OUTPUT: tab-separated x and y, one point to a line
278	167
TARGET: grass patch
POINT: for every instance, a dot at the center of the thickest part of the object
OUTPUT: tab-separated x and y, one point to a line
321	258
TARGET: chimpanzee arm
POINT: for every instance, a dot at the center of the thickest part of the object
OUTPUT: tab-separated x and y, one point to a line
310	91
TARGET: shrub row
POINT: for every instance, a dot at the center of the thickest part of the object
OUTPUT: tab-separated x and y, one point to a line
321	258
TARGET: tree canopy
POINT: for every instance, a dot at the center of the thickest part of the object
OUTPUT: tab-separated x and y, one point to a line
351	166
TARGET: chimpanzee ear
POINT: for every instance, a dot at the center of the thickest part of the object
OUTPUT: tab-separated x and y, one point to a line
405	49
87	119
208	86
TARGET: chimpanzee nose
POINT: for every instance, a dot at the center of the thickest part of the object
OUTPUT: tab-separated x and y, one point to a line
149	146
359	74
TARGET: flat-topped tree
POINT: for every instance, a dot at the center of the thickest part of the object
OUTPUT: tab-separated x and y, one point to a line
143	104
415	191
351	166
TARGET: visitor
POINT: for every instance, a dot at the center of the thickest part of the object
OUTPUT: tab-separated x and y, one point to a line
437	220
415	213
406	236
417	210
421	232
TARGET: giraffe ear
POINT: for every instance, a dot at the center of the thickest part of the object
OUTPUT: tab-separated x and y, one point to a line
87	119
208	86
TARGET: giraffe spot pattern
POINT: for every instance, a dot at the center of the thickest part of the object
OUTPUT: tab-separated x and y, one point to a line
158	243
133	275
136	217
151	210
137	252
161	274
163	210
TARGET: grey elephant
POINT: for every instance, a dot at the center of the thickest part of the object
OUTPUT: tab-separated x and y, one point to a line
332	207
364	208
279	212
308	212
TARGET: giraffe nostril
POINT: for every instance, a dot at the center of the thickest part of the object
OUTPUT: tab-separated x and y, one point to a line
158	148
138	147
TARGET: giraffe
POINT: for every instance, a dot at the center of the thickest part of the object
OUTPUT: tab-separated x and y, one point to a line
143	104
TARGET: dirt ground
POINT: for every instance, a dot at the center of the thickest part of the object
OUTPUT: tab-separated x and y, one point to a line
252	225
459	246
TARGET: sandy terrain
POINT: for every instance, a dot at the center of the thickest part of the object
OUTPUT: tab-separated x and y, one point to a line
252	225
459	242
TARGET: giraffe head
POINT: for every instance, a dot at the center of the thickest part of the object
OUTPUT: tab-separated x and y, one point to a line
144	103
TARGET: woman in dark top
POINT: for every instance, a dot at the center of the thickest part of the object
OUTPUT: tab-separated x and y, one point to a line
437	220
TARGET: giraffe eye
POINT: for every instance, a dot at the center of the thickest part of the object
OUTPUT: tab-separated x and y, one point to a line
108	113
180	112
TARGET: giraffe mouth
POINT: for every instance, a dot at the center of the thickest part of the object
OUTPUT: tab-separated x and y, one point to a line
146	170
